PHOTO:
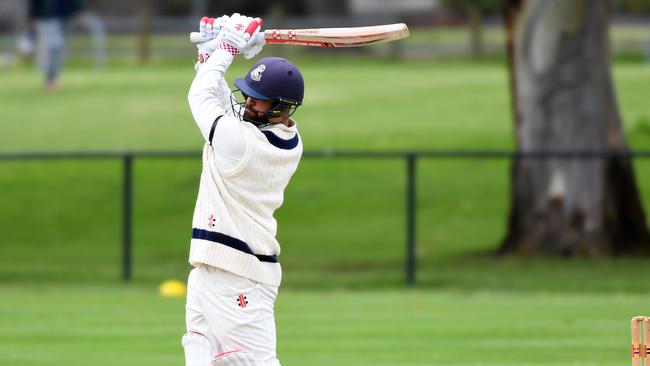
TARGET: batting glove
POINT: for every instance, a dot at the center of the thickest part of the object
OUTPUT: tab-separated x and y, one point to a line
205	50
229	33
210	27
254	48
233	36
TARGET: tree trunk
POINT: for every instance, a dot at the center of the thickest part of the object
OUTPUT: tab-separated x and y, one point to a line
475	31
144	32
564	99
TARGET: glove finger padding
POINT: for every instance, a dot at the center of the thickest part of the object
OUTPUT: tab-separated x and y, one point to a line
210	27
239	24
202	26
255	47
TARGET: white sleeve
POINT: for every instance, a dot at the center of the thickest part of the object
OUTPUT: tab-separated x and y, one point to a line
229	142
209	100
209	95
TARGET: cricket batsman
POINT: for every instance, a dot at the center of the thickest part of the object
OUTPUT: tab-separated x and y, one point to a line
251	150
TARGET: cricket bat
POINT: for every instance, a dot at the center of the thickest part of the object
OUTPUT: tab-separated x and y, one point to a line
329	37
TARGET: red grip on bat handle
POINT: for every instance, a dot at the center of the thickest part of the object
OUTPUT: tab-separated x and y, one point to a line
257	22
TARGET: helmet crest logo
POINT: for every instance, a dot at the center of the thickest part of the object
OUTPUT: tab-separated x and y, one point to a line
257	73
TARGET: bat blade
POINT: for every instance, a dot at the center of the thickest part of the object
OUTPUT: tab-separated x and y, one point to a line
331	37
337	37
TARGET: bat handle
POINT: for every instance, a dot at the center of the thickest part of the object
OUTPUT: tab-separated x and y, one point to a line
196	37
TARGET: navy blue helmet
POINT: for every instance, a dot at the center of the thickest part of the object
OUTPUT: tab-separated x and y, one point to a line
274	78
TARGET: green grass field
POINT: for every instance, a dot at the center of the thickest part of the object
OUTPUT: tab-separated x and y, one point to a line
342	226
116	325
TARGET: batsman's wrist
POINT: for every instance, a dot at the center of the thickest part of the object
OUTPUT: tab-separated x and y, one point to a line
234	51
203	57
222	58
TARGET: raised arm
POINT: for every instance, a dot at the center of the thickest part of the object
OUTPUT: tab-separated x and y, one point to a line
209	95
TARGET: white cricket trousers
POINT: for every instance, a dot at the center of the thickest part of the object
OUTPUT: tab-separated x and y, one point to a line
232	313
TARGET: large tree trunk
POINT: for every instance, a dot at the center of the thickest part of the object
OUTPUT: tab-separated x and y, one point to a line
564	99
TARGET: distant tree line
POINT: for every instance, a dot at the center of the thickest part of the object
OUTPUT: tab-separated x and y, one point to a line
632	6
461	8
183	7
495	7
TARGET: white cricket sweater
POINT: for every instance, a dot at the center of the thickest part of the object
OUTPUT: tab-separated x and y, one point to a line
241	186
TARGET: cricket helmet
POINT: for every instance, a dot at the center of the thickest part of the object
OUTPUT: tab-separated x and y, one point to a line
274	78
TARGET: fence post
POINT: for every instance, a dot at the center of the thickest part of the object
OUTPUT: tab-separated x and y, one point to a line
410	217
127	195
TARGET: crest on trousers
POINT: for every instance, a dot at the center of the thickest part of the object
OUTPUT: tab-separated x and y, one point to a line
242	301
256	74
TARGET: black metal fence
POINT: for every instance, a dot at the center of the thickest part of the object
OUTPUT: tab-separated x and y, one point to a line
409	157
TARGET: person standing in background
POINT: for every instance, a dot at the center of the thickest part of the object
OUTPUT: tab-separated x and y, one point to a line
13	14
48	18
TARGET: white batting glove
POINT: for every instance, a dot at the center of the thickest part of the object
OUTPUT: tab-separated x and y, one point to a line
254	48
233	34
209	28
205	50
